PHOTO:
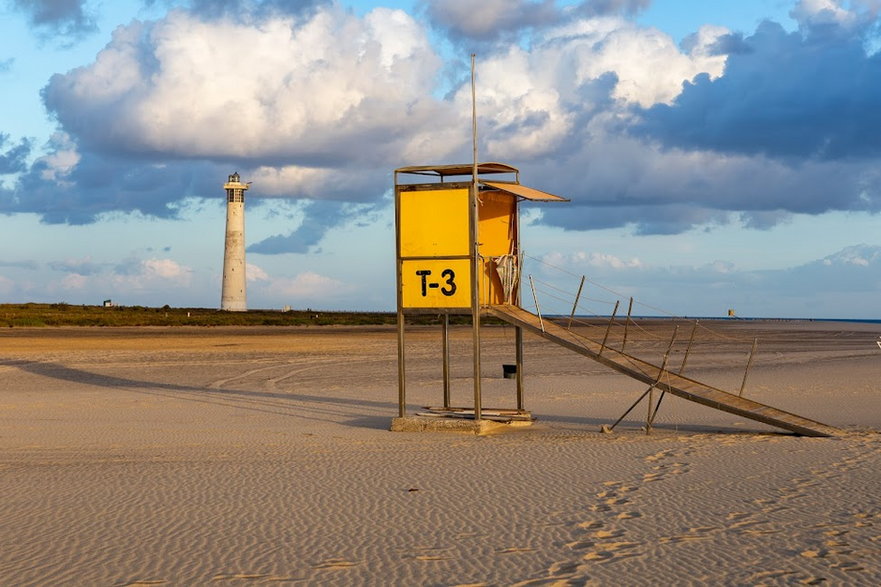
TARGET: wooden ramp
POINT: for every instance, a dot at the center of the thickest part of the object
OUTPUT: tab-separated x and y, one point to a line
662	379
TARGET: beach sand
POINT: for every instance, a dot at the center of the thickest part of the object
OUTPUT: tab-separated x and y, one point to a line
251	456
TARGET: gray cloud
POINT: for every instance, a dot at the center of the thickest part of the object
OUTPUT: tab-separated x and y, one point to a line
80	267
19	264
844	284
326	116
666	191
255	8
788	95
646	219
592	8
855	269
320	109
13	158
490	20
62	17
101	184
318	218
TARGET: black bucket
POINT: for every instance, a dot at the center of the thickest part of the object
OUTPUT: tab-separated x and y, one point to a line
509	371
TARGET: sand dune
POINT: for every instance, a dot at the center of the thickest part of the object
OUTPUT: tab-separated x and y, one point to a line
262	456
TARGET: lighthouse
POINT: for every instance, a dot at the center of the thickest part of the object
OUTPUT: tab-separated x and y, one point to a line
232	296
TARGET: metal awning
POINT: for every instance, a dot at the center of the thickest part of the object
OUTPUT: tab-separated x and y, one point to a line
458	169
527	193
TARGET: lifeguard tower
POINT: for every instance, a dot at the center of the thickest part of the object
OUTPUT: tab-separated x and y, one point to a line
458	253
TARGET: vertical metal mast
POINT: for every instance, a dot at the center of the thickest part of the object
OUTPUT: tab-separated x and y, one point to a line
475	251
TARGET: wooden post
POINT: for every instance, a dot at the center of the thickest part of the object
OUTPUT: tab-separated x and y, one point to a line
446	353
630	409
749	363
626	322
575	305
518	341
475	251
609	327
688	348
537	309
652	414
402	378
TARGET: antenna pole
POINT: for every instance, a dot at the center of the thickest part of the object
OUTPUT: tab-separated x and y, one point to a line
473	121
475	251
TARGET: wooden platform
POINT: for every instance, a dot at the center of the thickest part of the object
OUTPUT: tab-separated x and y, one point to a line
663	379
505	416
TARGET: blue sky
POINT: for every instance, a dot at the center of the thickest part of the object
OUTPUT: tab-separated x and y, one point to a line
718	154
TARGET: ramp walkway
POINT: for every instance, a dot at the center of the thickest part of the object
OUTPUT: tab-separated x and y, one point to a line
661	379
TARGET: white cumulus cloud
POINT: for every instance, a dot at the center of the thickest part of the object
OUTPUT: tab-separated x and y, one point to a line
165	269
319	88
308	286
255	273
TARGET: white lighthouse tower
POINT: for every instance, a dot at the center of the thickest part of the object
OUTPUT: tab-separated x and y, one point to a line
232	297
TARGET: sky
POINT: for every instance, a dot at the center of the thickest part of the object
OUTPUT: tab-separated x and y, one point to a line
718	155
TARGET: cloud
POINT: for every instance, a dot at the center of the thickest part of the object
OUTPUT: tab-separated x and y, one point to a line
312	102
591	259
250	8
579	81
494	21
164	269
7	285
817	288
597	110
13	158
860	255
318	218
309	287
255	273
832	18
61	17
320	105
787	96
6	64
592	8
19	264
68	186
81	267
852	270
667	191
131	279
309	92
74	281
489	20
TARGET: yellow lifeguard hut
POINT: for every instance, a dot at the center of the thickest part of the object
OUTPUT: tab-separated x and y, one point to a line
458	252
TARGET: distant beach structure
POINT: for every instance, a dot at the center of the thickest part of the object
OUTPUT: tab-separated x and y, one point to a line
233	297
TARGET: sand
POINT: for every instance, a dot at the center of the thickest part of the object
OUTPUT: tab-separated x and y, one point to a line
261	456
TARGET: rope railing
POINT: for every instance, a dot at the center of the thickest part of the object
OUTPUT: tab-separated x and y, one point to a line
626	334
661	312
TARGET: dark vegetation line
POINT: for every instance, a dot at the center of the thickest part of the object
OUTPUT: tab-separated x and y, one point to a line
32	315
39	315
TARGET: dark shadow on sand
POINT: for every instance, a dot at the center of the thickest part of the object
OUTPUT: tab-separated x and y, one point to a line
318	408
310	407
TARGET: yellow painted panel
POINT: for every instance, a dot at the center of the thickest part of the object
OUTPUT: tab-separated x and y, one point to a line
498	236
434	223
496	224
436	283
